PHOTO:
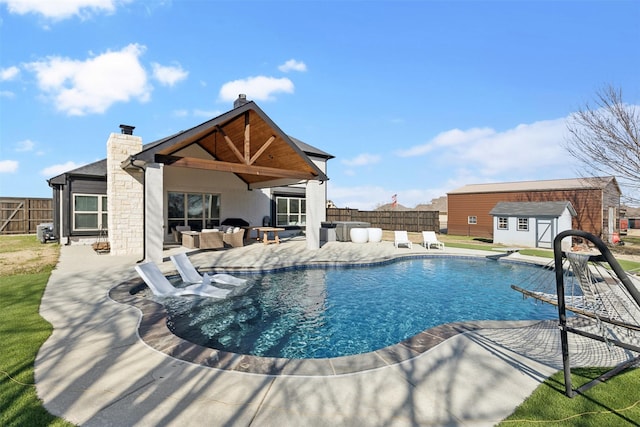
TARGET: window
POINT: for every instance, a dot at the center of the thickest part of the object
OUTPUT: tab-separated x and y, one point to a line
503	223
89	212
523	224
196	210
291	211
472	220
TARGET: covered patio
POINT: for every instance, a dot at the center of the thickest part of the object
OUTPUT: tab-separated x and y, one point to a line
236	159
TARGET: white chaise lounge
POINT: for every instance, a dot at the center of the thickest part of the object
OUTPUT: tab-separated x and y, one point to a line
160	285
189	274
429	239
401	238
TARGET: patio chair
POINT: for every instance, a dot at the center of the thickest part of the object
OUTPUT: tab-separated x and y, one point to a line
160	285
177	232
235	238
429	239
211	239
189	274
401	238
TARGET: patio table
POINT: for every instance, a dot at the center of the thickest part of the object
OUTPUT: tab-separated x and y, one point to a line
266	230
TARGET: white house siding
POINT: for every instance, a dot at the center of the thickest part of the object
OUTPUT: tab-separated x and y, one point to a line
236	201
529	238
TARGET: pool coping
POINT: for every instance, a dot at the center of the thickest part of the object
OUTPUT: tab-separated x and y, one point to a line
153	331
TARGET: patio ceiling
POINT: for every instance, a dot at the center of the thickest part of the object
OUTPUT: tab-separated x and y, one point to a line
243	141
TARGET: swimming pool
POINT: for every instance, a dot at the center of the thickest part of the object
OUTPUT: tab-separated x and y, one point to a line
324	313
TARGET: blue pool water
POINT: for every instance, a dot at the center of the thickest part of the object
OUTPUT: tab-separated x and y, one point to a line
319	313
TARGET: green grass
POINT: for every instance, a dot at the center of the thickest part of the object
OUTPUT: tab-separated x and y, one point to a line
612	403
22	332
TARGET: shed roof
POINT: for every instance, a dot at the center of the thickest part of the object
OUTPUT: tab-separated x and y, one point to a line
532	209
544	185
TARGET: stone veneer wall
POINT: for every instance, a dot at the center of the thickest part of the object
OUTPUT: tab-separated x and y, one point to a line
125	201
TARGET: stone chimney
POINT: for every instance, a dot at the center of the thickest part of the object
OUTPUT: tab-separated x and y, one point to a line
242	99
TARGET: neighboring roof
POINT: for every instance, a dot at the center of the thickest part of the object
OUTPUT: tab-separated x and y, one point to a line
547	185
244	141
532	209
95	169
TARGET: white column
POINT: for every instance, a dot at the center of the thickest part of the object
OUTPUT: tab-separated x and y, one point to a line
316	212
154	212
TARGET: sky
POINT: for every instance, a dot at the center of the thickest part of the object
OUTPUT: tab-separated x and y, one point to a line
413	98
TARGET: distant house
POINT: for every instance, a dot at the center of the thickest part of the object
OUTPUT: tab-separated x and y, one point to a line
237	165
596	201
531	224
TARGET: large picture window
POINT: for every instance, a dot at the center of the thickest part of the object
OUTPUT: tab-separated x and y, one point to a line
89	212
196	210
291	211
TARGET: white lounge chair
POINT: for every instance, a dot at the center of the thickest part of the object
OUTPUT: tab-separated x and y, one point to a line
402	238
160	285
429	239
189	274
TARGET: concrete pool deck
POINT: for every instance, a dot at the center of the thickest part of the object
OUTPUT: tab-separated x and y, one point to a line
95	370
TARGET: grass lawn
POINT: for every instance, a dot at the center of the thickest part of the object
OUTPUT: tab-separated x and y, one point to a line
25	266
615	402
22	330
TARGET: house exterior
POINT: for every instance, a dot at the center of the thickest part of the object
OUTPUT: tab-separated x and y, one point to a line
596	201
237	165
531	224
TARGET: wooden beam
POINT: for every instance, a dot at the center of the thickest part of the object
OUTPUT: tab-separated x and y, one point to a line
247	139
231	145
191	162
261	150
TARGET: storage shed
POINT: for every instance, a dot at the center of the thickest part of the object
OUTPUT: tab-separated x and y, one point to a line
596	201
531	224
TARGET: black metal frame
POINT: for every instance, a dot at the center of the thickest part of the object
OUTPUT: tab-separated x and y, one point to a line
605	255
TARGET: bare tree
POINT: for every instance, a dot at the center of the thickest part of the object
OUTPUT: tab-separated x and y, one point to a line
605	138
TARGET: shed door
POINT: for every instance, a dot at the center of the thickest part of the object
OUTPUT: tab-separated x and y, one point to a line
544	233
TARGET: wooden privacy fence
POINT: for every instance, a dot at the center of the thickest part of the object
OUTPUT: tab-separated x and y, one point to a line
415	221
23	215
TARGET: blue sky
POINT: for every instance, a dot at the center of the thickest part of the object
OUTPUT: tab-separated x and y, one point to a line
414	98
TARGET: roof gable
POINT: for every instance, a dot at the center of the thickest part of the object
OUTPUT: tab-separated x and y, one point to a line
532	209
244	141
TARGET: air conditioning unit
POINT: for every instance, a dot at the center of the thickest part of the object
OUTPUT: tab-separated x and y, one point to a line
45	232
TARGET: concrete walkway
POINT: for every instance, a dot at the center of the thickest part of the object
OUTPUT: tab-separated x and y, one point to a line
96	371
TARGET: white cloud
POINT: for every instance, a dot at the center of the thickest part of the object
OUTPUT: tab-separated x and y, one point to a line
180	113
6	94
168	75
362	160
92	86
445	139
260	88
9	73
293	65
8	166
58	10
518	151
26	145
55	170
